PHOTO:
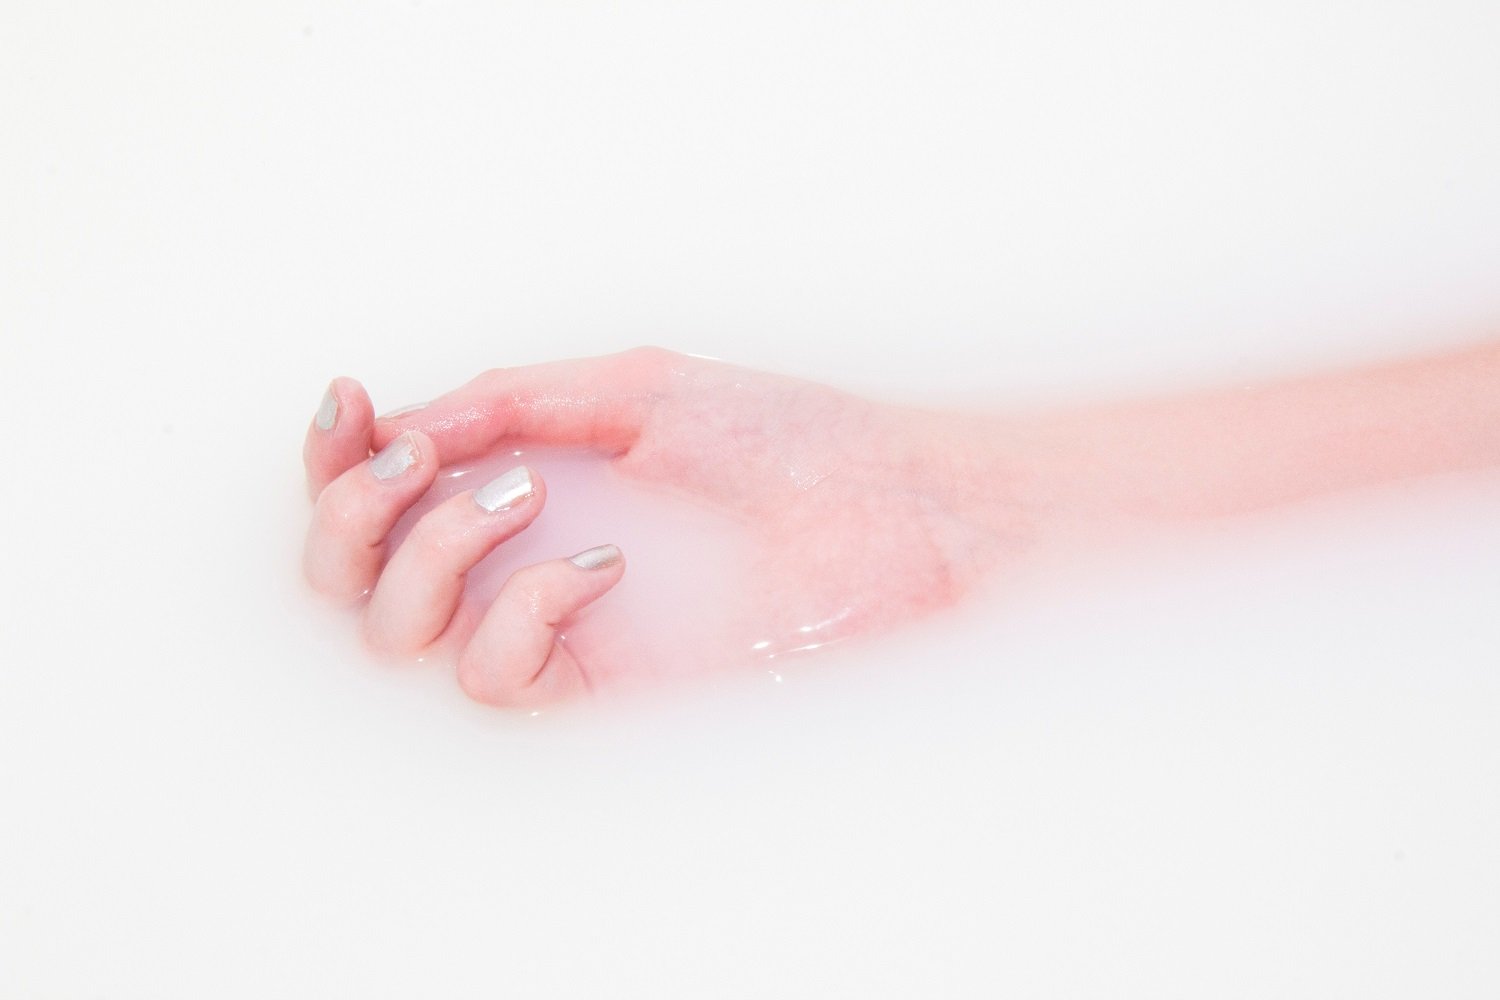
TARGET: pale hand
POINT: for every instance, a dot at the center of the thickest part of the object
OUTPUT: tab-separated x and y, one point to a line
859	516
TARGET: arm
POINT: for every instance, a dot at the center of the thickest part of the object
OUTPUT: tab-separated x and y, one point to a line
1249	447
856	516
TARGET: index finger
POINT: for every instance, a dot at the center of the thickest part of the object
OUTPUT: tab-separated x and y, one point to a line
598	403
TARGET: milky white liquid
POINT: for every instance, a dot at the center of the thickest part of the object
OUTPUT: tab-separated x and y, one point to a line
683	585
1256	762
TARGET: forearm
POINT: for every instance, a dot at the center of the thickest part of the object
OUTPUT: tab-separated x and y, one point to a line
1250	447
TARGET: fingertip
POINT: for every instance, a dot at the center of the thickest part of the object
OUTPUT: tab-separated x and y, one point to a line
351	405
520	485
354	390
589	575
410	455
427	449
338	436
600	557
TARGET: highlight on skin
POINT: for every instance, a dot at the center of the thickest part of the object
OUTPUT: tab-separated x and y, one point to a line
855	516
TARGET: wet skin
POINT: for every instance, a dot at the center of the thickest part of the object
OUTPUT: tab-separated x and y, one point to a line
858	516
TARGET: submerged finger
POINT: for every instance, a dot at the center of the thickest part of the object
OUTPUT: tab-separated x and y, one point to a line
346	543
338	438
423	580
514	657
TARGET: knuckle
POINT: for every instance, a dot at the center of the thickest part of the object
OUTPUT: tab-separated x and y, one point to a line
329	579
491	683
490	378
385	638
377	638
426	540
652	360
317	576
478	682
336	513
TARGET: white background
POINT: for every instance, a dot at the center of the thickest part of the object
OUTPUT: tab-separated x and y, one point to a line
1263	764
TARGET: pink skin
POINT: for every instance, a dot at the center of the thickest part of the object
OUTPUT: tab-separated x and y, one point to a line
854	521
861	516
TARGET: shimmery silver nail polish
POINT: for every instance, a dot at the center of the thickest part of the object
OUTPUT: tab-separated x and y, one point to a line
506	491
395	458
403	411
597	558
328	411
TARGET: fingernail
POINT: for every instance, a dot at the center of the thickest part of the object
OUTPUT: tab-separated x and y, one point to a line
506	491
403	411
395	458
597	558
328	411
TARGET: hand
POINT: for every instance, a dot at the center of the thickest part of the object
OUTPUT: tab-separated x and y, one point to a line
855	517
